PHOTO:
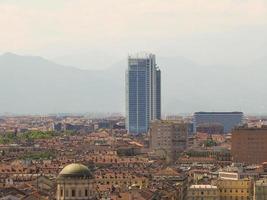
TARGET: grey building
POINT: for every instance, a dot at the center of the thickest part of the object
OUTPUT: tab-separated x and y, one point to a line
143	93
168	138
260	189
228	120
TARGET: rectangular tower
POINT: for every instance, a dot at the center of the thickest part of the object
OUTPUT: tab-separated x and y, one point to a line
143	96
168	138
248	145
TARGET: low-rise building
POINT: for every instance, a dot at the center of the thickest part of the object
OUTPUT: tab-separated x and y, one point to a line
260	189
171	176
75	182
203	192
231	187
121	180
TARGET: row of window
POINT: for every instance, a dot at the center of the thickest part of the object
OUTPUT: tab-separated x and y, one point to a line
230	190
73	193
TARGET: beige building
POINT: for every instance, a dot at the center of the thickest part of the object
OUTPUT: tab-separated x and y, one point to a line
203	192
168	138
75	182
231	187
260	189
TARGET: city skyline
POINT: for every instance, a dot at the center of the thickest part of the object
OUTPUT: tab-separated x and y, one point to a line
133	100
182	93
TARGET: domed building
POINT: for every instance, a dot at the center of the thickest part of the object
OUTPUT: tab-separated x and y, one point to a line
75	182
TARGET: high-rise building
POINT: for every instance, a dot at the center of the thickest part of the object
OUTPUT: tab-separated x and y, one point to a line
249	145
168	138
228	120
143	93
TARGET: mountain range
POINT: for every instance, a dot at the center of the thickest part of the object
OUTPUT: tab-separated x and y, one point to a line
34	85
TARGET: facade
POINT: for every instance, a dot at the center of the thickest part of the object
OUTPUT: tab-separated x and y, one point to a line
260	189
235	189
203	192
210	128
249	145
168	138
75	182
228	120
231	187
143	93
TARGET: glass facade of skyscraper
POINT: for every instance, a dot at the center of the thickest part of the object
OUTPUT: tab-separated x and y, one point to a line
142	93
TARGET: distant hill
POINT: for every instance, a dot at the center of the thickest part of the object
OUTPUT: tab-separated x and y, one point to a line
36	85
189	87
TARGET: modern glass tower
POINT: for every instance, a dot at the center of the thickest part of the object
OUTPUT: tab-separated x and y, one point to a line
143	93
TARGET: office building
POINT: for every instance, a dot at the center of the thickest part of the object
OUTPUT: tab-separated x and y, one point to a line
168	138
228	120
143	93
249	145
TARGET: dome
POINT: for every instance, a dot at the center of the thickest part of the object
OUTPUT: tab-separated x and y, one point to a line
75	171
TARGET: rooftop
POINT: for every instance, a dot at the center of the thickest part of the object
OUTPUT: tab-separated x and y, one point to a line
141	55
203	187
219	113
75	171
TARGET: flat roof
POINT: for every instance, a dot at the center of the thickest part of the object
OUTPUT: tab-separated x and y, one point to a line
215	113
203	187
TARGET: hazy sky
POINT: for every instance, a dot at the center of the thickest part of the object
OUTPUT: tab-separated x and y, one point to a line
96	33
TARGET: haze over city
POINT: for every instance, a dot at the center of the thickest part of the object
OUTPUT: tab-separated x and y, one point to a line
207	50
95	34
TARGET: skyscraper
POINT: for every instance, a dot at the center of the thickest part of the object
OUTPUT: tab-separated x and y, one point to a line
143	93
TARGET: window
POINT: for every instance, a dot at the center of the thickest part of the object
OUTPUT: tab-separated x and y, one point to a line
61	192
86	192
73	193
